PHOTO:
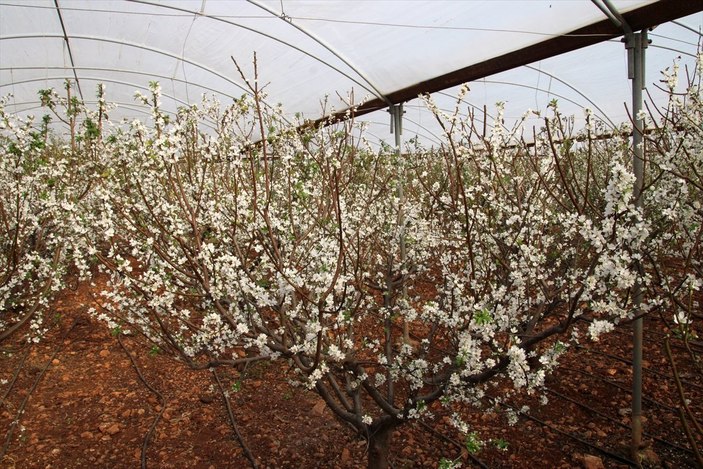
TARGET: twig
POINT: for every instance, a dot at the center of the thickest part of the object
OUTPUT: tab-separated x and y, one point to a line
247	452
37	303
28	315
152	428
689	435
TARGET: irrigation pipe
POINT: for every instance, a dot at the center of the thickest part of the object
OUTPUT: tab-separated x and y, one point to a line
444	437
14	377
17	371
616	421
247	452
152	428
696	346
603	451
619	386
686	408
37	380
629	362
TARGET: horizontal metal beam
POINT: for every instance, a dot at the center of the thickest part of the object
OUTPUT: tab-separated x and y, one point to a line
130	71
644	17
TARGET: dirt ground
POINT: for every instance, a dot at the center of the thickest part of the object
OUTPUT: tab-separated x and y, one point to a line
76	400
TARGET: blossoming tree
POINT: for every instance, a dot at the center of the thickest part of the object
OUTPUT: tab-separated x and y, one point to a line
286	248
42	182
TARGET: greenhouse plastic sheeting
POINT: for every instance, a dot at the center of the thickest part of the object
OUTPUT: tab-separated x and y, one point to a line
310	52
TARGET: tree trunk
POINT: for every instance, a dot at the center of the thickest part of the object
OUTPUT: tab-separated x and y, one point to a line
379	446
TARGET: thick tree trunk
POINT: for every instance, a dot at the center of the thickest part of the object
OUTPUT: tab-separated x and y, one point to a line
379	446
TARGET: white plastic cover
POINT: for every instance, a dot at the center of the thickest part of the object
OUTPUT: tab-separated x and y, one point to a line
309	51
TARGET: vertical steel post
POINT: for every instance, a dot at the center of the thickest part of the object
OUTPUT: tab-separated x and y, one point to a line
396	111
636	44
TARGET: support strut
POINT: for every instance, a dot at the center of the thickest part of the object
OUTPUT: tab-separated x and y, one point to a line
636	43
396	111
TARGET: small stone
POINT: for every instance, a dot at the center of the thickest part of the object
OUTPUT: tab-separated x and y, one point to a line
319	407
109	428
346	456
592	462
651	457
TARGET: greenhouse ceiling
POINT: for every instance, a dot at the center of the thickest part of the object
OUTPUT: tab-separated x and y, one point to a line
523	52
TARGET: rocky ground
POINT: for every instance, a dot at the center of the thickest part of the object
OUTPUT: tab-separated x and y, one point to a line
86	398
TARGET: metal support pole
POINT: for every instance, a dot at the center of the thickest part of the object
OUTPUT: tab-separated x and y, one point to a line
396	111
636	44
